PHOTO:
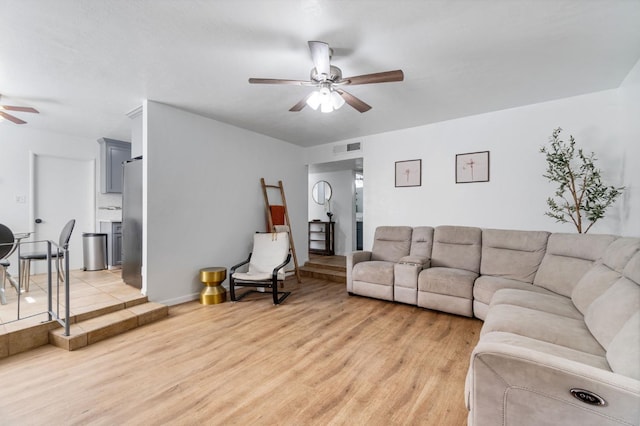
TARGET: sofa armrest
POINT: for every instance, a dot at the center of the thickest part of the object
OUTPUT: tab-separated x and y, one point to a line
353	259
512	385
424	262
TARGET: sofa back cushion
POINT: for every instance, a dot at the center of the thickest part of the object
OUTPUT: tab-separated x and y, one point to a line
510	254
605	272
567	258
632	268
620	252
609	312
390	243
592	285
457	247
421	242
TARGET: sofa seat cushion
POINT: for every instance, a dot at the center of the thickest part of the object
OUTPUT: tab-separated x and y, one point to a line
623	352
551	303
376	272
448	281
485	286
480	310
547	348
606	316
547	327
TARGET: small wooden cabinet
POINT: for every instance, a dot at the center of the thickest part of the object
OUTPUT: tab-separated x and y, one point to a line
112	154
321	238
114	242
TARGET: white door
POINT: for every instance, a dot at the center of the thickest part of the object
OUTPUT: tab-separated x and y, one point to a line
63	189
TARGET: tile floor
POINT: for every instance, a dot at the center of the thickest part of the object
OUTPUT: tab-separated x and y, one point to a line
89	291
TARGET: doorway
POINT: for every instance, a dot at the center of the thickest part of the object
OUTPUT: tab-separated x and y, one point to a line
61	189
341	176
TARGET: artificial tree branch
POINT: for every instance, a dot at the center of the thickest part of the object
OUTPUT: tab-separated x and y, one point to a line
589	196
576	200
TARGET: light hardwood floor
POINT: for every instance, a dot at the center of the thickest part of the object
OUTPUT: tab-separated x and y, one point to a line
322	357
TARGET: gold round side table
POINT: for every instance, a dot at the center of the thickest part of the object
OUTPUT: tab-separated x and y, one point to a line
213	292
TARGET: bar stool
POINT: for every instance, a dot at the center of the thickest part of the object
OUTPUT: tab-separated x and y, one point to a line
58	254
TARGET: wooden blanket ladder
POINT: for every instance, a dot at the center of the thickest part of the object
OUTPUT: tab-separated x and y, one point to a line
278	219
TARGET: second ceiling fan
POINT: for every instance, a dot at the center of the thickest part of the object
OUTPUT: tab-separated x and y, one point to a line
329	81
11	117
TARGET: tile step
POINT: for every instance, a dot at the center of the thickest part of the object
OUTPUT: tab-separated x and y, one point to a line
27	336
110	324
96	311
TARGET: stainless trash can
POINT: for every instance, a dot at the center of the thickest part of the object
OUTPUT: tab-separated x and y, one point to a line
94	251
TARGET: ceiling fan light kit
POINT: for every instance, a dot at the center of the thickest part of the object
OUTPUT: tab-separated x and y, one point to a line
328	100
328	78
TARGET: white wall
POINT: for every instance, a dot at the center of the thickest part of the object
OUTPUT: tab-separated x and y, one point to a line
629	93
515	196
203	196
342	206
136	132
15	144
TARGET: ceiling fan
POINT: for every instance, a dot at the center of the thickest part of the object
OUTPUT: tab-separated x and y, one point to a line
13	118
328	79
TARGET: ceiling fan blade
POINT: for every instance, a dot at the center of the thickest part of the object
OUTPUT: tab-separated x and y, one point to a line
298	107
379	77
11	118
17	108
353	101
278	81
320	56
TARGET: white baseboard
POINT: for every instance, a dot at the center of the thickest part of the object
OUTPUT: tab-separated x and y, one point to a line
181	299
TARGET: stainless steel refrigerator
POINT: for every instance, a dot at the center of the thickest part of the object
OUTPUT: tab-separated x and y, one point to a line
132	222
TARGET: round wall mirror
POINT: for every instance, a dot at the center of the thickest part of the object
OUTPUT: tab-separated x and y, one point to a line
321	192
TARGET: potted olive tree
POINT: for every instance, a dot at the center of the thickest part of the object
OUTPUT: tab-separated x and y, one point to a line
581	197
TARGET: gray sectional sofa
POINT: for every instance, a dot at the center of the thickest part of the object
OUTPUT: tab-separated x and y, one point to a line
560	343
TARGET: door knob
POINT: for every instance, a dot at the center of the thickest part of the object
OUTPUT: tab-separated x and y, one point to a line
38	220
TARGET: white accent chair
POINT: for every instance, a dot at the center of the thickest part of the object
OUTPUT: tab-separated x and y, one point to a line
264	266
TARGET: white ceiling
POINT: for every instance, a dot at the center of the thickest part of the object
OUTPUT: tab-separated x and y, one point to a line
84	64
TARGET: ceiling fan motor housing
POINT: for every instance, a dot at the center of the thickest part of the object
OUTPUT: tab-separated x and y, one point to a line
336	75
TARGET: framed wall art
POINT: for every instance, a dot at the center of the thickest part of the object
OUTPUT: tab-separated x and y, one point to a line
409	173
472	167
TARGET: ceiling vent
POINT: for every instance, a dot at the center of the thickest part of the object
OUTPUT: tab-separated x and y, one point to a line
350	147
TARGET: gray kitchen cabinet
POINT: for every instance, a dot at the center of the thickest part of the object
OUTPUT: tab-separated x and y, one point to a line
114	242
112	154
